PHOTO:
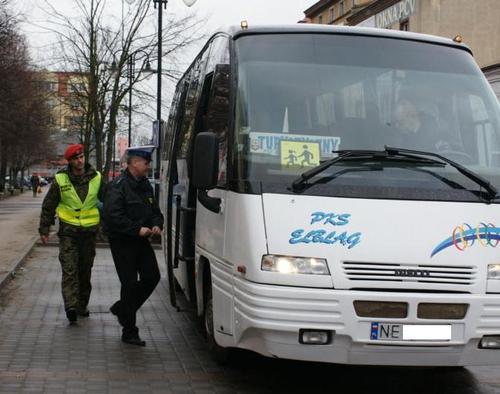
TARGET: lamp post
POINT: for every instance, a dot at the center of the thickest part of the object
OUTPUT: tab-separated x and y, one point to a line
131	58
161	3
130	76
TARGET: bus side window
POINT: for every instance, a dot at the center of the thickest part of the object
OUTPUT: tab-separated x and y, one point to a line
174	128
186	132
200	122
212	111
217	116
167	139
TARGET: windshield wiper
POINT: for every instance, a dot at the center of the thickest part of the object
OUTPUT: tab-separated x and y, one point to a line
492	190
357	154
393	153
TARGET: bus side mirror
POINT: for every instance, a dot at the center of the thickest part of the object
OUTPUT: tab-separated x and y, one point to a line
206	168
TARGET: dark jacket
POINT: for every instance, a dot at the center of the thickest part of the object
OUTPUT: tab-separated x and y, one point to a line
35	181
53	197
129	204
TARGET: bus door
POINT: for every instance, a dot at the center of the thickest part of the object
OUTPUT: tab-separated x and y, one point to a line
172	181
182	197
203	106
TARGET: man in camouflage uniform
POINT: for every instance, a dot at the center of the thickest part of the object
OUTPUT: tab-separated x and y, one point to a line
74	195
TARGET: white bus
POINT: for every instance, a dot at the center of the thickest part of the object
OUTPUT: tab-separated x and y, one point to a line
331	195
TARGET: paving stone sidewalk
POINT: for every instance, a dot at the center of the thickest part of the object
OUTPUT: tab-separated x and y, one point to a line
41	353
19	217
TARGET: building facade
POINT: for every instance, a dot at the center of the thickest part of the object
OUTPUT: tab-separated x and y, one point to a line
65	93
66	96
476	21
333	12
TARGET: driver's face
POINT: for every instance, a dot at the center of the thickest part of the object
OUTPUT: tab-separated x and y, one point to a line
406	117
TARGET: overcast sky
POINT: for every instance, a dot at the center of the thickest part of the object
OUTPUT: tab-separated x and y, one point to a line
218	14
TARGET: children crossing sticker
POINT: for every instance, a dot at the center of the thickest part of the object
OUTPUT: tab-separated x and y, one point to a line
299	154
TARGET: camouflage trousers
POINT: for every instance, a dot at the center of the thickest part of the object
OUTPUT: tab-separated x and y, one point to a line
76	254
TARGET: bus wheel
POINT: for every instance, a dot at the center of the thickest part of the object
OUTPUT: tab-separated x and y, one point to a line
219	354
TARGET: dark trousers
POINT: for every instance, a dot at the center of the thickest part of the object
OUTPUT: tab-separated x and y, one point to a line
76	254
137	268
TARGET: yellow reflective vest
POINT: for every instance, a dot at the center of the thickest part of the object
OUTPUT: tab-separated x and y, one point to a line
71	209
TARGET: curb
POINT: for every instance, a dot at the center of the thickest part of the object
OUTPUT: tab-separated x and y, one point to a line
17	261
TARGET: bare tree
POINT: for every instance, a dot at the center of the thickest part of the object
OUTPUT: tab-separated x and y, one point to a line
102	52
7	20
22	130
32	144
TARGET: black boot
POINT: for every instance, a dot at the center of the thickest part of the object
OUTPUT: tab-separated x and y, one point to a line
72	316
83	312
133	340
115	310
131	336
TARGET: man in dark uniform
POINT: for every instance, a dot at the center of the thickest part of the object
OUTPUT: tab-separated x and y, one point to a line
74	195
131	216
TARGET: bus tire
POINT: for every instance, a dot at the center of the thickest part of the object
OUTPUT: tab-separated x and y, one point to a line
218	353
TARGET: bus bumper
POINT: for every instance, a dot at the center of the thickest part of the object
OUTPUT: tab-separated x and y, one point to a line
267	319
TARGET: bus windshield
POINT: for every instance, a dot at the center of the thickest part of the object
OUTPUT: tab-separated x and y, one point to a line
302	96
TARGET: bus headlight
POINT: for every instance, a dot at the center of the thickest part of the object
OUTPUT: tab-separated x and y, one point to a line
493	271
294	265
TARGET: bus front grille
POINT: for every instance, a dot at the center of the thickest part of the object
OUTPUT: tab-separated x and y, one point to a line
414	273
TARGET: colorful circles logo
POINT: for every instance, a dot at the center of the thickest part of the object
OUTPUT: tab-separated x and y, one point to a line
465	236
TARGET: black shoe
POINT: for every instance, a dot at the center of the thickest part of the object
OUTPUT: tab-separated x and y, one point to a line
115	311
72	316
84	313
136	340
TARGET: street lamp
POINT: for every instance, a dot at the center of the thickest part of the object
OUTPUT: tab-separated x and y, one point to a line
131	58
130	75
161	3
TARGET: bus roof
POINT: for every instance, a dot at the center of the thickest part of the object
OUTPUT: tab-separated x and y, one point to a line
237	31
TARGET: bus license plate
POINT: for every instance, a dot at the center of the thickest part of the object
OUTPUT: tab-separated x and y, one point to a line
410	332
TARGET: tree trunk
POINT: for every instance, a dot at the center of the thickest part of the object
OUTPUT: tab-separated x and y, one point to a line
113	113
3	167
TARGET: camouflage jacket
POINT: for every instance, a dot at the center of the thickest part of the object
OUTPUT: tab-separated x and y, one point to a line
53	197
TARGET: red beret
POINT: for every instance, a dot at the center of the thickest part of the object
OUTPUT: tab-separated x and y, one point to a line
73	150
